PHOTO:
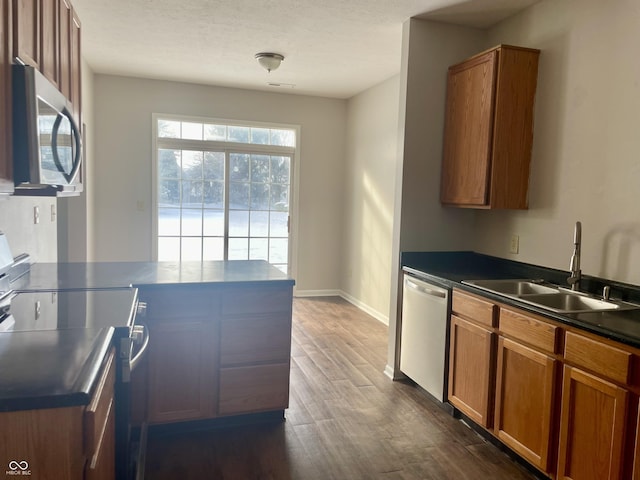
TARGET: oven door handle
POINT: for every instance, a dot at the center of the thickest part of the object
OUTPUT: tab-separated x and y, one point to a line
145	343
140	335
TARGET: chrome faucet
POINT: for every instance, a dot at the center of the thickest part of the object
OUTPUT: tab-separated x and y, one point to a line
576	273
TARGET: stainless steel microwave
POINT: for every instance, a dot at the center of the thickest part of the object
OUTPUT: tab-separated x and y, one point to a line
47	145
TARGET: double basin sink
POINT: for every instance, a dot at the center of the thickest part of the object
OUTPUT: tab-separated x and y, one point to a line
549	297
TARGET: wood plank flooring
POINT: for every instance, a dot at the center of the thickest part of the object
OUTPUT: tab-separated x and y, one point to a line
346	419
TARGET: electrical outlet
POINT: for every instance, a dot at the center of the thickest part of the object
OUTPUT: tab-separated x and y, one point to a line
53	212
36	215
514	246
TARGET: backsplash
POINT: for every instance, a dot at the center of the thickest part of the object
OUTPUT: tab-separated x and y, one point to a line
24	235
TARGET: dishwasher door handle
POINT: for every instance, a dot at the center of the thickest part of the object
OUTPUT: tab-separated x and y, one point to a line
423	290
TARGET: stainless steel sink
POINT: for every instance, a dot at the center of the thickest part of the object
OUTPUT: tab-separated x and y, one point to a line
548	296
512	287
571	303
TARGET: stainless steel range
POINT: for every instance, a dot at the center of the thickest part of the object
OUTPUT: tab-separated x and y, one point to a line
25	310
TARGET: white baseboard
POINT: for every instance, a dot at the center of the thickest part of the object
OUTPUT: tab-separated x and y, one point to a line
317	293
365	308
388	371
339	293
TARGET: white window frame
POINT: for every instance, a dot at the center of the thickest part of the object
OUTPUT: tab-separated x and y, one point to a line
294	152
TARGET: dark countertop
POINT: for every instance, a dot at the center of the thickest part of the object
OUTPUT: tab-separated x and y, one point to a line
50	368
63	276
52	360
450	268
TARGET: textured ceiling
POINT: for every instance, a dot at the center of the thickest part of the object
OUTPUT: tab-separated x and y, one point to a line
332	48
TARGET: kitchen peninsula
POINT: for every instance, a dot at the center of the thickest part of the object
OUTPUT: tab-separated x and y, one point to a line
220	333
219	347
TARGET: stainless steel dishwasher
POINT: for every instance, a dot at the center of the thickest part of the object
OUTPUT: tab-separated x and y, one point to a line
424	334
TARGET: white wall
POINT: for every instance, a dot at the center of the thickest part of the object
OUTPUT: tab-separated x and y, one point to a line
75	222
372	137
586	151
16	222
123	108
420	222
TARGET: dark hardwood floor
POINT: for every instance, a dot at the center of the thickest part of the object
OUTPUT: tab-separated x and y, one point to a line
346	419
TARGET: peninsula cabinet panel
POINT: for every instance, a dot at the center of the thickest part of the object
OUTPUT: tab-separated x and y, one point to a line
592	427
471	366
263	339
26	31
6	162
182	370
254	389
525	394
489	129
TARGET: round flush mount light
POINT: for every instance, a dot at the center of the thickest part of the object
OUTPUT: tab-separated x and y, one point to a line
269	61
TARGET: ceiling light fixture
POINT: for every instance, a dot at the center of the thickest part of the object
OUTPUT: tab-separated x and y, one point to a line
269	61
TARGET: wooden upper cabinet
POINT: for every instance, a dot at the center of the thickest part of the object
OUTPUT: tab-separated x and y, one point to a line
76	68
50	40
26	31
6	163
489	129
65	16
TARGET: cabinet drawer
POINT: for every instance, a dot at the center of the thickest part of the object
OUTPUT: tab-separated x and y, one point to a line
254	389
264	339
97	413
529	329
178	303
474	308
598	357
256	300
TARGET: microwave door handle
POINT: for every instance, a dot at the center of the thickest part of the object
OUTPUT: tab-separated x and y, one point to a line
69	177
77	155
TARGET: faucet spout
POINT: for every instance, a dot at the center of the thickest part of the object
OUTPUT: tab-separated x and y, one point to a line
574	267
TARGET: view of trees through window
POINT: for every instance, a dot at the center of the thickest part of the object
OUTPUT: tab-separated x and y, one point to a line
216	201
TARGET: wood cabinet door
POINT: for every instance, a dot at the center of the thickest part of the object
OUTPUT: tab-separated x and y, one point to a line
636	453
525	393
76	68
592	427
26	31
182	370
252	389
468	131
471	361
65	15
49	40
6	162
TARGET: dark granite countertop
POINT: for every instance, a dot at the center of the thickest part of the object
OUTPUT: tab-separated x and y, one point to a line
50	368
451	268
53	361
66	276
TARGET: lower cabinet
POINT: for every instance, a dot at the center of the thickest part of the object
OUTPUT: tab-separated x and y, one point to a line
567	401
525	394
71	443
471	370
216	351
183	370
592	427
